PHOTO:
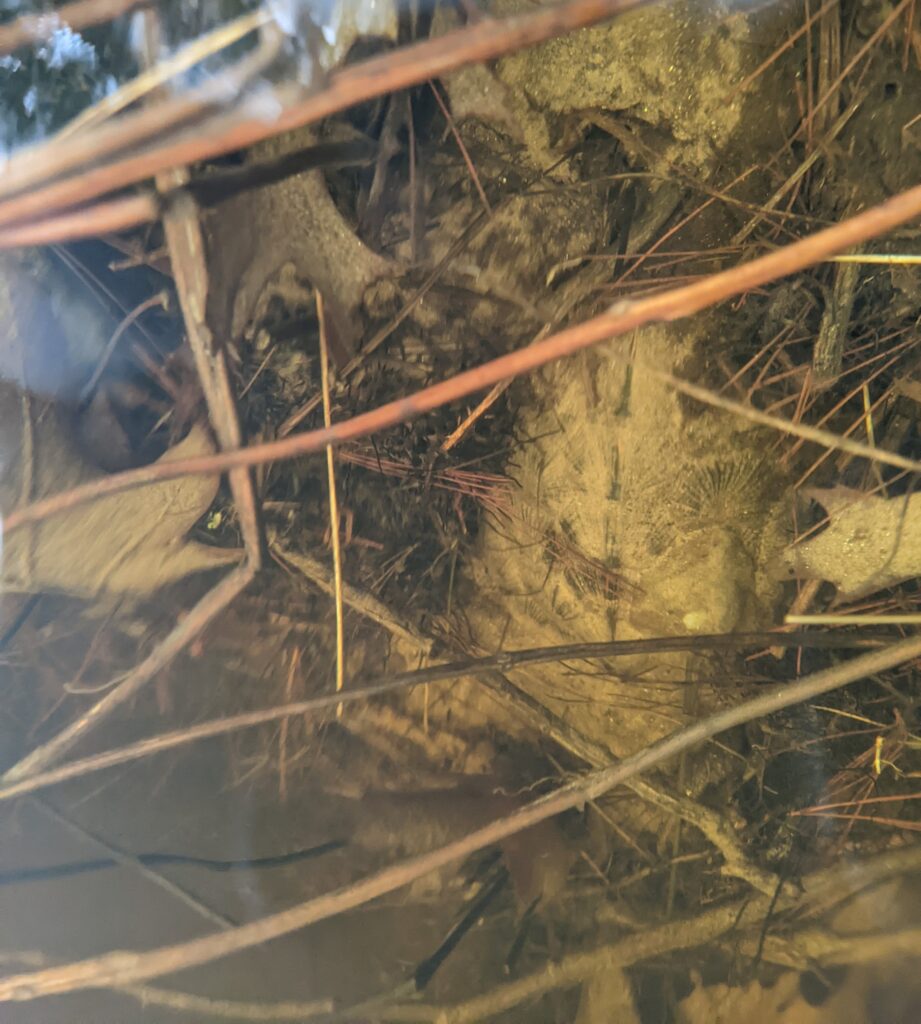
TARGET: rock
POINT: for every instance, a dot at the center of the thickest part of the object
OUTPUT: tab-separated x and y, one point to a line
671	67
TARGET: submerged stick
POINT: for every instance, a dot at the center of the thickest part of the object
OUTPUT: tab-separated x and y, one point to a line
197	619
420	677
122	968
626	316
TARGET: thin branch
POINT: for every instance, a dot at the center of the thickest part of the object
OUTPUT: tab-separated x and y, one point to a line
622	318
358	600
458	433
98	219
233	1009
716	828
187	255
183	633
592	753
161	299
464	152
127	967
390	72
134	863
825	438
713	825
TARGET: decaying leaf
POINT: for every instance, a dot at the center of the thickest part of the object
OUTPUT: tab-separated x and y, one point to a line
132	542
871	543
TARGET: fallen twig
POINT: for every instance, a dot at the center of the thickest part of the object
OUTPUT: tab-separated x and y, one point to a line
590	752
128	967
148	995
89	222
134	863
410	65
361	601
191	626
623	317
187	255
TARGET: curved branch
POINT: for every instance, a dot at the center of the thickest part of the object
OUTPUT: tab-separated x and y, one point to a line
673	304
123	968
488	39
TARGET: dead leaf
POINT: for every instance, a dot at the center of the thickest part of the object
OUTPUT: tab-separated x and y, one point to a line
134	542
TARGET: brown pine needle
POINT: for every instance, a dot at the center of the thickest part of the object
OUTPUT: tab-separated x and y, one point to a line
765	64
495	392
464	152
891	799
825	438
894	15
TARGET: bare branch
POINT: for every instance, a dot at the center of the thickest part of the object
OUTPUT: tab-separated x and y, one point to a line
123	968
672	304
592	753
361	601
187	255
194	622
98	219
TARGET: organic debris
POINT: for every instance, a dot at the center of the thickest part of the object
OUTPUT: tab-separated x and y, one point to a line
500	651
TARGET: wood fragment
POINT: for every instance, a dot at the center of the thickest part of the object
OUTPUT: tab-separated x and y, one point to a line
122	968
620	319
182	634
